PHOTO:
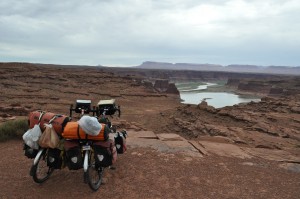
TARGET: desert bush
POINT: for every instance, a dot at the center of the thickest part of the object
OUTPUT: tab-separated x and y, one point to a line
13	129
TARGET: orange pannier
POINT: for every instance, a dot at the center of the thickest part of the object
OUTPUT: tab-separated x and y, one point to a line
58	123
73	131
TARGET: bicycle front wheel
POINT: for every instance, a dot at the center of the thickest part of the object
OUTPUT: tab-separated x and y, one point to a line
41	172
94	175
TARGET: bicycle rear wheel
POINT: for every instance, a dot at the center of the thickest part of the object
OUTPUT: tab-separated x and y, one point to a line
41	172
94	175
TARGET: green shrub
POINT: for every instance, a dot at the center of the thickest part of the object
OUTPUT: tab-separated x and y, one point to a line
13	129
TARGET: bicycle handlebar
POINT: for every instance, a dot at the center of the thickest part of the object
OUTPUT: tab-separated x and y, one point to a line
97	111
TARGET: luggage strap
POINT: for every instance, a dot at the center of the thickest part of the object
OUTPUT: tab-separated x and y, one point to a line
53	118
41	116
78	134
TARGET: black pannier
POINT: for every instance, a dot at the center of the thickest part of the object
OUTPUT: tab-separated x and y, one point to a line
120	141
29	152
103	156
73	155
54	158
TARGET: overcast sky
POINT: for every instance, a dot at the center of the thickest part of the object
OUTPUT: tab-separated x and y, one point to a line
128	32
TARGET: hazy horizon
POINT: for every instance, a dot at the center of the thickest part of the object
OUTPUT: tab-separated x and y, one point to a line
175	64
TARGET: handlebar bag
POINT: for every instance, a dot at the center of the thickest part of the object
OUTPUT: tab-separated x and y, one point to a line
105	153
73	131
58	123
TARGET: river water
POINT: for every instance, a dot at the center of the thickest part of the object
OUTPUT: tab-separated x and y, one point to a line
194	94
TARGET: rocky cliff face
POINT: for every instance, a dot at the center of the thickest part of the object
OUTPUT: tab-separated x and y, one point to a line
276	91
273	86
233	82
163	86
172	89
254	87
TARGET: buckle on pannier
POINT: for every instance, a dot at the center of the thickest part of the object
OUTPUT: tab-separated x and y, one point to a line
29	152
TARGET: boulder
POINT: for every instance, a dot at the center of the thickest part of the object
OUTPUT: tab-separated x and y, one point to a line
295	109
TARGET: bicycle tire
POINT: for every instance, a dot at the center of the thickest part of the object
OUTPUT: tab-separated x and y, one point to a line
41	172
94	175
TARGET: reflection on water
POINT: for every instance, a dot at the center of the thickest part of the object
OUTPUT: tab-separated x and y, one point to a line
215	99
199	88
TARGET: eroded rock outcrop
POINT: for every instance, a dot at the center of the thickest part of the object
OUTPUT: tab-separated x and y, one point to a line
273	123
164	86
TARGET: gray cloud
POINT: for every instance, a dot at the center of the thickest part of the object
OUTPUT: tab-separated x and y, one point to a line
131	31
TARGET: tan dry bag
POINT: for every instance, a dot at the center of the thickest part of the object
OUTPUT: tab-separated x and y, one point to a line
49	138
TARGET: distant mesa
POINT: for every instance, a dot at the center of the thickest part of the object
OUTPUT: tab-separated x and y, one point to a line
214	67
179	66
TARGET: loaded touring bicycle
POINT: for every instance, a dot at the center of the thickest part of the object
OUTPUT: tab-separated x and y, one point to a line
83	144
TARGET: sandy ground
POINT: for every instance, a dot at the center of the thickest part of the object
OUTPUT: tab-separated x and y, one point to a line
149	173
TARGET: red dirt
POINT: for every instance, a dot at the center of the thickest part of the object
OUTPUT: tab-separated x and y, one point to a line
146	173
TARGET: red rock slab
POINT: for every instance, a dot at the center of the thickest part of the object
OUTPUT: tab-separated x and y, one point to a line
182	147
170	137
199	147
135	142
142	134
175	143
224	149
273	154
